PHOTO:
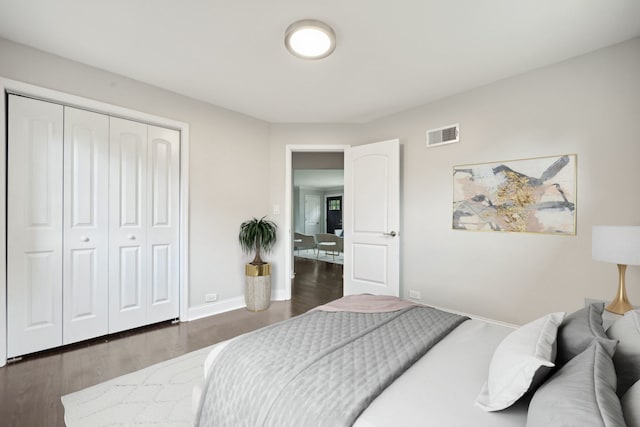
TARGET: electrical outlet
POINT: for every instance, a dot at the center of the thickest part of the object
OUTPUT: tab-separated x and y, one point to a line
414	294
210	297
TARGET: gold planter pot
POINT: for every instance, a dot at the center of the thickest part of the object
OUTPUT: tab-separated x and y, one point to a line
257	288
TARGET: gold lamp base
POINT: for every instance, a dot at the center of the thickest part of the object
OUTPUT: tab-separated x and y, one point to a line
620	304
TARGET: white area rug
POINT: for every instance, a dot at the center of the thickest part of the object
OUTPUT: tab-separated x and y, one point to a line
323	256
159	395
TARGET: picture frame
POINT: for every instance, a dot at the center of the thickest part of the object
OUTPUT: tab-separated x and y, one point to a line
535	195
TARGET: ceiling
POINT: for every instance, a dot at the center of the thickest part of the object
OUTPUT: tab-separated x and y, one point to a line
390	55
319	179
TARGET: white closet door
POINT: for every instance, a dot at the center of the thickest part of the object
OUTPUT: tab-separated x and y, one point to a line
34	226
163	223
127	231
86	225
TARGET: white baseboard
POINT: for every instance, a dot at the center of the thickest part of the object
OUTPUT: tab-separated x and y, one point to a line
211	309
279	295
206	310
473	316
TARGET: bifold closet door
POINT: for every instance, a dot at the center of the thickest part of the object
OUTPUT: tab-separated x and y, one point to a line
144	224
163	228
128	256
34	225
86	225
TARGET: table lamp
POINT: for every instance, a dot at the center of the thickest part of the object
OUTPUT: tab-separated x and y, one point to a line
619	244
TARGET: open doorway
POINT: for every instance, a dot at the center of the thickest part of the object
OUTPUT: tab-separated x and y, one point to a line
371	220
317	252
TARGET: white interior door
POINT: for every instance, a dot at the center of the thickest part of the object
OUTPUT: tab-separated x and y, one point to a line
86	225
371	219
312	210
163	223
127	218
34	226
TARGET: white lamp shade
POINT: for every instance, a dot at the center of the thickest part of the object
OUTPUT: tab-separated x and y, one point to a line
618	244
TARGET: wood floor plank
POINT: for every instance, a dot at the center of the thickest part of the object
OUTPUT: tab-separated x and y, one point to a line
30	390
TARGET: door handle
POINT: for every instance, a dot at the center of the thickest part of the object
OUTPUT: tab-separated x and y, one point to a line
390	234
84	239
131	237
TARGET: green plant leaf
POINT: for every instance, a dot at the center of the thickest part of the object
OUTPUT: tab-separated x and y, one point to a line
259	235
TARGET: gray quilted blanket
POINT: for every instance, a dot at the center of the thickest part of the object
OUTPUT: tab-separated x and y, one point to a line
318	369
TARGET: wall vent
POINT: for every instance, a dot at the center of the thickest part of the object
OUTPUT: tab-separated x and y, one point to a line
444	135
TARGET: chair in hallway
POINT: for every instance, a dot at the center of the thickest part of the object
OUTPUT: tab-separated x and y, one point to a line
303	242
329	243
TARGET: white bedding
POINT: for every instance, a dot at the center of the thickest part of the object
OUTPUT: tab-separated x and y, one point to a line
440	388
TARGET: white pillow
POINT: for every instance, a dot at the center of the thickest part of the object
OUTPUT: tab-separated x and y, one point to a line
520	362
631	405
627	356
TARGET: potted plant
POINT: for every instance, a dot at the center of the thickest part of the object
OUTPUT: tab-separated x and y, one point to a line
257	235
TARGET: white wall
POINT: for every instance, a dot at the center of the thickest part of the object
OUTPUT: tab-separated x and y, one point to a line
229	159
589	106
298	217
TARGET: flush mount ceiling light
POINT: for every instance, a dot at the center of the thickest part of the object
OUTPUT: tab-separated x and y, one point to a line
310	39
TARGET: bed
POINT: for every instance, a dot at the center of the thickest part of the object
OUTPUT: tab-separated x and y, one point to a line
440	388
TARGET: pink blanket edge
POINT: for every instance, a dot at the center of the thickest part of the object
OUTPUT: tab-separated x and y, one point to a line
366	303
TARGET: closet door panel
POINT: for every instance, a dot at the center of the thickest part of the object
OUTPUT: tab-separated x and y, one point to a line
34	226
160	275
130	278
86	225
163	219
128	291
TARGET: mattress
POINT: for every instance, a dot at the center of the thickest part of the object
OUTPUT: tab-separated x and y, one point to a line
441	387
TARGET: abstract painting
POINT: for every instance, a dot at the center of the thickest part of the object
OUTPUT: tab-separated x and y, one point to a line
532	196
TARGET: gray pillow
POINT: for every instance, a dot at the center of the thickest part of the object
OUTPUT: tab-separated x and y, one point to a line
631	405
582	393
578	330
626	331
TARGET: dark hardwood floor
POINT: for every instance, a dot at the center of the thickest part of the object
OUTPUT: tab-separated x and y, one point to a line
30	389
315	283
